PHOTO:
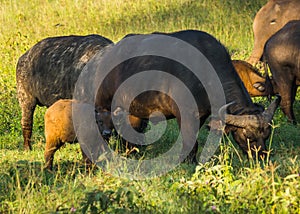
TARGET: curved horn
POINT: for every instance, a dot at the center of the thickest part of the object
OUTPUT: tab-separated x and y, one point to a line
269	112
237	120
242	120
223	109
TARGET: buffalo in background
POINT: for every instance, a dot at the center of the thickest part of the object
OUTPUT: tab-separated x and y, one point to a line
268	20
282	54
48	72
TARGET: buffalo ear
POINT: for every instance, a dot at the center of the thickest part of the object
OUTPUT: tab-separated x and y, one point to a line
215	124
260	86
277	6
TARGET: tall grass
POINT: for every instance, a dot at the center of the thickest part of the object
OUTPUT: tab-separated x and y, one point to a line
229	183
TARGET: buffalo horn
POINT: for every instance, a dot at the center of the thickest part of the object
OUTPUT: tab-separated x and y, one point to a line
242	120
223	109
269	112
253	120
237	120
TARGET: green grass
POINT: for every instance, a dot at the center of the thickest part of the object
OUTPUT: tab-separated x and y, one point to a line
229	183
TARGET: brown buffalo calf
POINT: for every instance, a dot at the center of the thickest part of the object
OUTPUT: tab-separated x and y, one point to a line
59	129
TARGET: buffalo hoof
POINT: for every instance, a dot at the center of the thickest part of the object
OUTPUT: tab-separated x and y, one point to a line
190	159
27	147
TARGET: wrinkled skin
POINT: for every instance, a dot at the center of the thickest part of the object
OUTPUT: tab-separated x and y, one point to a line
246	120
268	20
282	54
255	83
48	72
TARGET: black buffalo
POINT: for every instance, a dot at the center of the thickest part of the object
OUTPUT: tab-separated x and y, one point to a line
282	54
49	70
248	122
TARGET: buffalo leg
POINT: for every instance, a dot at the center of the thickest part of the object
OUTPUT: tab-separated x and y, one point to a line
288	93
293	96
89	165
27	122
52	145
137	123
85	158
189	147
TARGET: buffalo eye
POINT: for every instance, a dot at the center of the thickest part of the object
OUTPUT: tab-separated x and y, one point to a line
273	22
249	136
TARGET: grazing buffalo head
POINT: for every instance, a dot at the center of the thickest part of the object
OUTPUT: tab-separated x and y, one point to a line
250	131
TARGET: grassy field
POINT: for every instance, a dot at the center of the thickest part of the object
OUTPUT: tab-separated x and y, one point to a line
229	183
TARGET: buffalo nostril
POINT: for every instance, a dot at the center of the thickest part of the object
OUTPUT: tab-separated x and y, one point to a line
106	132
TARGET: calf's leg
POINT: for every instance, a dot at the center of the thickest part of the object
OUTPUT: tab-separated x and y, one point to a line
52	145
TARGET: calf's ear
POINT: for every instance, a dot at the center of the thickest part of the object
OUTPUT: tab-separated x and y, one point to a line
260	86
118	112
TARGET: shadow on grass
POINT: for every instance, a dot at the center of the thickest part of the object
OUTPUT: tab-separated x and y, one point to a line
24	174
